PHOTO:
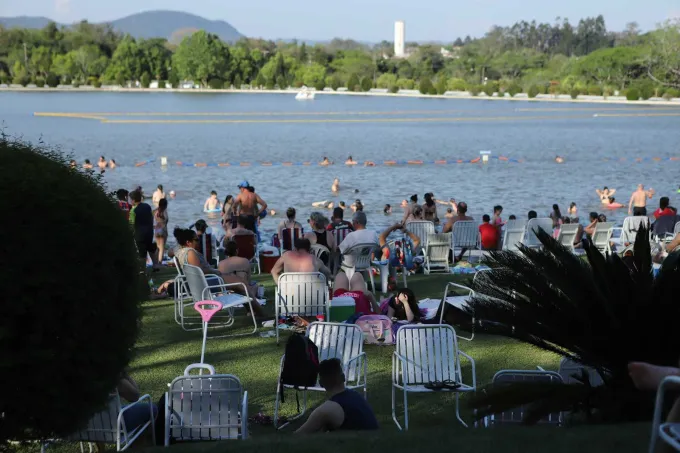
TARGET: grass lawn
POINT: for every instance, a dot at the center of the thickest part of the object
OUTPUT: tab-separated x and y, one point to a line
164	350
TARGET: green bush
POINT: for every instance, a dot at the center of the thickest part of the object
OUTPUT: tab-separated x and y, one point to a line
442	85
409	84
238	82
671	93
40	82
22	79
173	78
270	85
146	80
216	84
366	84
456	85
281	82
91	80
353	83
97	83
425	85
659	92
474	90
633	94
52	81
393	89
75	315
514	89
335	83
4	77
320	85
533	91
646	92
574	93
75	84
595	90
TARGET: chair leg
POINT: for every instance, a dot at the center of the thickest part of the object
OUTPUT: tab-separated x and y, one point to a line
458	410
394	407
405	410
276	404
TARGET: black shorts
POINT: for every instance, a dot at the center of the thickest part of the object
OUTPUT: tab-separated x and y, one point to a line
640	211
145	246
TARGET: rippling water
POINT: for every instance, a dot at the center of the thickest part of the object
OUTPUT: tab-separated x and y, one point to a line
260	127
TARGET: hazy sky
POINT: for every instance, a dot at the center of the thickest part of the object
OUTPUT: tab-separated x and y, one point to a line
365	20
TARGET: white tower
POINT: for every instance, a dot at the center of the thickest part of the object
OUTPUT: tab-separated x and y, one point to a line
399	38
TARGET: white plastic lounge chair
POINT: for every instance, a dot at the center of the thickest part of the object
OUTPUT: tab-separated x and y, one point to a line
362	255
668	431
421	228
460	302
533	225
567	235
627	233
301	293
427	359
513	234
515	416
321	252
187	319
436	252
200	290
465	235
602	235
335	341
206	407
108	425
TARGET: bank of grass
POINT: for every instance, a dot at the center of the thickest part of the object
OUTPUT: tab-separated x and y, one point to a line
164	350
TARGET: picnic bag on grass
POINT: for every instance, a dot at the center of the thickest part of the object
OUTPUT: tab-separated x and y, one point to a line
377	329
301	364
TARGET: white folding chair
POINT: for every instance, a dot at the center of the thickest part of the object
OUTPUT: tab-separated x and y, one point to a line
567	235
533	225
460	302
427	359
362	255
602	235
187	319
321	252
668	431
513	234
422	229
436	252
628	231
206	407
344	342
108	425
301	293
200	290
515	416
465	236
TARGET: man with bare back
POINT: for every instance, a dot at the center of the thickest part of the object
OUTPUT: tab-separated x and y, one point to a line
637	205
249	204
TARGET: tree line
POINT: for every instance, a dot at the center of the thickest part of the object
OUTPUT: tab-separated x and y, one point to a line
530	57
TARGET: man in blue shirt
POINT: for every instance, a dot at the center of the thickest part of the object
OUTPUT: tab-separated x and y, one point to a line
344	410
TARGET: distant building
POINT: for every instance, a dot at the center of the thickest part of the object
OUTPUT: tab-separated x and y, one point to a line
399	39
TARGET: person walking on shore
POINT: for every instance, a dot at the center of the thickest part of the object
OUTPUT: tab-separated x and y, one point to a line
637	205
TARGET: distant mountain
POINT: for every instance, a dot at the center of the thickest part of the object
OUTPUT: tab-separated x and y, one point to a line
150	24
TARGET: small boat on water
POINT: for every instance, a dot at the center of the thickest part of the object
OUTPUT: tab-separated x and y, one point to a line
305	94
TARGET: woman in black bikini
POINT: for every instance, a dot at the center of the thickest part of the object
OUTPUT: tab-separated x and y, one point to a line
319	235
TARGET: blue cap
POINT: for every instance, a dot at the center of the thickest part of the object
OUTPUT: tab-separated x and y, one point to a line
243	185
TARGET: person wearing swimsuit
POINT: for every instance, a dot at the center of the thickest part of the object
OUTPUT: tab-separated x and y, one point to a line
320	235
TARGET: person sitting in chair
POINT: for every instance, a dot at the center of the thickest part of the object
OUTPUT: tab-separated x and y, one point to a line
344	410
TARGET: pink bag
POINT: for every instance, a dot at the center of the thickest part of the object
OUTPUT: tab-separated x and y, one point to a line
377	329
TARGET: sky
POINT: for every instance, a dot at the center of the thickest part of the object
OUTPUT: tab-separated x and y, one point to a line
362	20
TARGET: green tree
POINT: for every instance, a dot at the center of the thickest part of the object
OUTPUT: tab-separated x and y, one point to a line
65	66
260	81
281	82
456	84
335	83
200	57
617	66
216	84
663	58
533	91
156	56
353	83
386	80
312	74
425	85
238	82
320	85
442	84
126	61
41	60
173	79
366	84
52	80
269	84
146	80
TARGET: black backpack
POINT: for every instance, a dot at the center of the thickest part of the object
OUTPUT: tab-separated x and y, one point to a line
301	364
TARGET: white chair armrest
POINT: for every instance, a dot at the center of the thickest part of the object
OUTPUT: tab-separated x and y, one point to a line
121	426
225	286
472	363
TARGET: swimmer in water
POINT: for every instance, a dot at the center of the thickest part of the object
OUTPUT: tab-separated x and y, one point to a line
559	159
325	162
323	204
612	204
350	161
102	162
573	210
87	165
387	210
212	203
73	164
112	163
272	212
368	163
336	185
172	194
604	194
342	205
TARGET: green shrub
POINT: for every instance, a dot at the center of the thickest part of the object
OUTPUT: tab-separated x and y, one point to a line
22	79
514	89
238	82
574	93
97	83
320	85
659	92
76	320
335	83
281	82
425	85
4	77
173	78
671	93
533	91
595	90
270	84
353	83
456	85
474	90
646	92
52	81
409	84
442	85
91	80
366	84
40	82
633	94
216	84
393	89
75	84
145	80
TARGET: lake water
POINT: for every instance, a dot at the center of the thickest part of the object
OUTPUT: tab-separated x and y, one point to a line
599	143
